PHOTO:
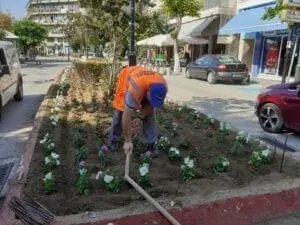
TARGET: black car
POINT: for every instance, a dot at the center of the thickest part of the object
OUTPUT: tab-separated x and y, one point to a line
214	68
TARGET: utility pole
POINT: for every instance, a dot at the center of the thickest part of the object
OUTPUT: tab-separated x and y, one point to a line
287	55
132	52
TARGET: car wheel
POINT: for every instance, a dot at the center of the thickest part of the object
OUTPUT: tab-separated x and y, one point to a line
238	81
211	78
270	118
188	74
20	94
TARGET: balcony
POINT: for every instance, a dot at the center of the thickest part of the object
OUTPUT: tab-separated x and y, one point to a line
39	2
56	35
33	12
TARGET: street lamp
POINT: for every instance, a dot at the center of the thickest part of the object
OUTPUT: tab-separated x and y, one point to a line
132	52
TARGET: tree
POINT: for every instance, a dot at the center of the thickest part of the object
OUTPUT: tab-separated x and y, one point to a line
2	34
31	34
272	12
178	9
5	21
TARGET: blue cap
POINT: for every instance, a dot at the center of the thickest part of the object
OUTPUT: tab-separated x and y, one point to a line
157	95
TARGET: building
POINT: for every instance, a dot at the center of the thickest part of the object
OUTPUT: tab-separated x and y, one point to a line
52	14
262	43
213	16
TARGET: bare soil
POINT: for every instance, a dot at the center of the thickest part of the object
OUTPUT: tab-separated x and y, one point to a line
165	175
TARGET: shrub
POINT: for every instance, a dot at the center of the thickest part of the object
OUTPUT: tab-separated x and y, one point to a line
95	71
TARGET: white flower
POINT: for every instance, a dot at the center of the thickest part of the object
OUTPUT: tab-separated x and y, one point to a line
51	145
99	175
57	162
144	169
180	108
261	144
266	153
48	176
108	179
54	155
175	151
226	163
47	160
189	162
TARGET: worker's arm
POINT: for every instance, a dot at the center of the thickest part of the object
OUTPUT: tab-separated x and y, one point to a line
130	106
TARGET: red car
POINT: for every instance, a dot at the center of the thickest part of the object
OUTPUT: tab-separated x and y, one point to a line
279	108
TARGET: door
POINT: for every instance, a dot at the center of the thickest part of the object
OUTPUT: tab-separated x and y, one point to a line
200	68
6	81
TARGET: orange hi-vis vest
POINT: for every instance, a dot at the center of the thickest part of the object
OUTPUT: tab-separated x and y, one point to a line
137	80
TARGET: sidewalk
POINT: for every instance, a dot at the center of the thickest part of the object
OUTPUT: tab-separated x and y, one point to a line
291	220
233	104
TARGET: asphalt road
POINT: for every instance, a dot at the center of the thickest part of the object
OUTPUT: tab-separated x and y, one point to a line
18	117
229	103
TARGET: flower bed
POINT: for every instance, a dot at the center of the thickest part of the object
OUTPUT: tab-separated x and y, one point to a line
70	171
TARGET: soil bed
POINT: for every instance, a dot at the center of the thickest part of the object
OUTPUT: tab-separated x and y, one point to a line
194	137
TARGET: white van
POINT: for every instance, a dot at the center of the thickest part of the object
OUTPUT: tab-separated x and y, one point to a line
11	82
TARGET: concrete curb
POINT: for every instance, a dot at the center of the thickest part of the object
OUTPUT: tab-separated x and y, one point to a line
6	215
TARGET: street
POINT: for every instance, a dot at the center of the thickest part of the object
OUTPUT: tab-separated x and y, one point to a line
229	103
18	117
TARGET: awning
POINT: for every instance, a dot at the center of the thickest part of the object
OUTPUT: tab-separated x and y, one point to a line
250	20
163	40
195	28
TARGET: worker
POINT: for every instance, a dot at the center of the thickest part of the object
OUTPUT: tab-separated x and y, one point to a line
138	92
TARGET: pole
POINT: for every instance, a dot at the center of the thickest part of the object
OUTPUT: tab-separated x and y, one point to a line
292	60
132	53
287	54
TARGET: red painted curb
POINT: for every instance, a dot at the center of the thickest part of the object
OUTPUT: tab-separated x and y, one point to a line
6	215
235	211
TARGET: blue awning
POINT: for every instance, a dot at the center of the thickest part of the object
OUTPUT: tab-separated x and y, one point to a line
250	20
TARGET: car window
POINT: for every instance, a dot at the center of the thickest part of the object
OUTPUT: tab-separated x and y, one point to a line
228	59
201	61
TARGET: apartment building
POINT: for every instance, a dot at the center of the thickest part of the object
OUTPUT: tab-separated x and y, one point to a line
52	14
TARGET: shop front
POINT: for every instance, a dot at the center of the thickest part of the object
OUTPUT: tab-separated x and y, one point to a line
263	43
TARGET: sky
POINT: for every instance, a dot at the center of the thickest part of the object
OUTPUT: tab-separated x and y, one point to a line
15	7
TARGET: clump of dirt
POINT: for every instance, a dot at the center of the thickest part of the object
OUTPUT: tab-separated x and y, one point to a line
193	137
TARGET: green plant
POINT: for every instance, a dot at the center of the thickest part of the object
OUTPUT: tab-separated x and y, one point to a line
112	183
137	144
82	153
243	137
209	132
262	157
49	183
82	185
52	161
47	144
163	144
78	140
144	179
210	120
224	131
187	169
221	165
174	154
237	148
54	120
193	115
104	154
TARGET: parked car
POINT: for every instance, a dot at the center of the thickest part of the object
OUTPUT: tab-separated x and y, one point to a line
214	68
11	82
278	108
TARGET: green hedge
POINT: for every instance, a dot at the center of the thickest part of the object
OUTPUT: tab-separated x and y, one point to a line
94	72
